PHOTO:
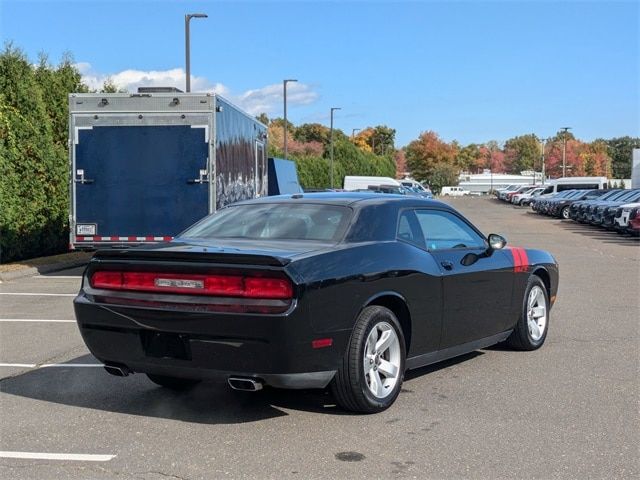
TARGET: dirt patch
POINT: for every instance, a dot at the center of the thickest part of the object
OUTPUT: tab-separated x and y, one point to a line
51	260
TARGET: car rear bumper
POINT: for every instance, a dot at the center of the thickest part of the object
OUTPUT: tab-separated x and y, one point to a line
276	349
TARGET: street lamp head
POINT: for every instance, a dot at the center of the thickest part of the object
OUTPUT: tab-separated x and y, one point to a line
197	15
290	80
335	108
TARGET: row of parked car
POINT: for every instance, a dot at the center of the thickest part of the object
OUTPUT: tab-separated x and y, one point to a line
613	209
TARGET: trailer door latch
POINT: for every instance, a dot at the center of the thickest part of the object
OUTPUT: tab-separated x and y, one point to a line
203	178
80	177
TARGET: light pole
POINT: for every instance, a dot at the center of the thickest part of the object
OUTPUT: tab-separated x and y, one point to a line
187	49
490	167
284	88
564	149
333	109
353	133
542	141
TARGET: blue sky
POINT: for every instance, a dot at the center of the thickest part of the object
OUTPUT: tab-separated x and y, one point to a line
471	71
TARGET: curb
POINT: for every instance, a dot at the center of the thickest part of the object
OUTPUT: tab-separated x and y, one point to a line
31	271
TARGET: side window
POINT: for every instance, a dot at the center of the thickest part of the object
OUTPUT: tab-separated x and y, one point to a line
444	230
409	229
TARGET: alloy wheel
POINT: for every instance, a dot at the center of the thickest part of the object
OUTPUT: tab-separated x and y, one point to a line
536	313
382	359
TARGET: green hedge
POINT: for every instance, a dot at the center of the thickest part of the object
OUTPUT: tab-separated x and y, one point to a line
315	172
33	158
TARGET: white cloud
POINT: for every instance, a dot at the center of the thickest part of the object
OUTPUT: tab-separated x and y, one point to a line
267	99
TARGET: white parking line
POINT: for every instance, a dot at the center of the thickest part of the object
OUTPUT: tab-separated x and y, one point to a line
82	457
44	320
41	294
57	276
51	365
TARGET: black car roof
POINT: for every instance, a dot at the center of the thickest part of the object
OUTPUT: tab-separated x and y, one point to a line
353	199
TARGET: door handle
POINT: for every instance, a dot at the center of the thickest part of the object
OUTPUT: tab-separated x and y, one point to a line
447	265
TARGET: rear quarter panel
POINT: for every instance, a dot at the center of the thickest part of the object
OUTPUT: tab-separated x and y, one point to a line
338	284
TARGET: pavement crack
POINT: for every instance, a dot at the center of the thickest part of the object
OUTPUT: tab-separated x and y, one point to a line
156	472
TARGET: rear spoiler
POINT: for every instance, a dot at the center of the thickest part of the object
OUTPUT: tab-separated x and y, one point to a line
192	256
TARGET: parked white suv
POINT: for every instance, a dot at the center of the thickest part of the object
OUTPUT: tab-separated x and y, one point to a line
525	198
454	191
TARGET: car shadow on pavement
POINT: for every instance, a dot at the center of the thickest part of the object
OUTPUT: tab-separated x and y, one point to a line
598	233
209	402
419	372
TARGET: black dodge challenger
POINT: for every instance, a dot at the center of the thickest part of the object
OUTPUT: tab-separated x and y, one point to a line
347	290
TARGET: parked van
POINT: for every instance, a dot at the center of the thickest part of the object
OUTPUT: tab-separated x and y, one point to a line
353	182
453	192
575	183
415	185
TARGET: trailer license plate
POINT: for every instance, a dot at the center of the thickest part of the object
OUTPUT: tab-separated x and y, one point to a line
86	229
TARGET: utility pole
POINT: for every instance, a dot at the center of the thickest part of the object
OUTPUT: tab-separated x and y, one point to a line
490	167
332	110
353	133
284	87
564	150
187	46
543	140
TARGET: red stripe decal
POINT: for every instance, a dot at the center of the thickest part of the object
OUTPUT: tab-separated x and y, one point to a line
520	259
525	259
516	258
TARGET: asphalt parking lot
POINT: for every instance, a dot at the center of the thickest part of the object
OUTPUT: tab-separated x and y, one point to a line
568	410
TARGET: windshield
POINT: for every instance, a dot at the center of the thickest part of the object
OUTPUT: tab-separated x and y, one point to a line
576	194
595	194
274	221
630	196
609	194
617	196
563	194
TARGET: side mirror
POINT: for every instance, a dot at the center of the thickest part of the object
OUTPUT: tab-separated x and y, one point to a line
496	242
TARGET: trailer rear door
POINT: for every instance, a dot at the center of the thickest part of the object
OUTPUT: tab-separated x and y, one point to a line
132	183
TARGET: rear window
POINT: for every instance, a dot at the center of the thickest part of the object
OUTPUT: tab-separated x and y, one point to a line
274	221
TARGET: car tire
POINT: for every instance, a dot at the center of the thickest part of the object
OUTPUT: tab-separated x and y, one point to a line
360	373
531	330
565	213
173	383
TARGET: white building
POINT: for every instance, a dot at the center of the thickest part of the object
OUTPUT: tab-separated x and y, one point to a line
635	168
478	183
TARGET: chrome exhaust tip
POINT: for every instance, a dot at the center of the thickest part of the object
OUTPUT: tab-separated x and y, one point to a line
118	370
245	384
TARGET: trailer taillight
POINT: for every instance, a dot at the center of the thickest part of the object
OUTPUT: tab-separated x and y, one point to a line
188	284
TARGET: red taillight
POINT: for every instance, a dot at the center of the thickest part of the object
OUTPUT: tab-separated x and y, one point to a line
106	280
258	287
213	285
